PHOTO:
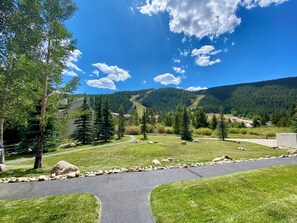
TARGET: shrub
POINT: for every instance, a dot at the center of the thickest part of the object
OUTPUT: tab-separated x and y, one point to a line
204	131
160	128
132	130
150	128
243	131
168	130
234	130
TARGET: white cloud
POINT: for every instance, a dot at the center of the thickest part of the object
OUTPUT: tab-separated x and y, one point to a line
202	18
69	73
202	55
113	72
167	79
70	63
196	88
144	82
184	39
179	70
233	44
184	53
176	60
104	83
96	72
225	40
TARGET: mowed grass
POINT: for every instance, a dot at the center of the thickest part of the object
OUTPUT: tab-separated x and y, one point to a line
142	154
62	208
260	196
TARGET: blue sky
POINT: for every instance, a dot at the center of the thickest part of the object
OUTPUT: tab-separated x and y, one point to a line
189	44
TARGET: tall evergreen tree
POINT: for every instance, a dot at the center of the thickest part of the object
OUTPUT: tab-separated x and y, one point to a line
294	123
144	122
200	119
168	119
107	124
84	126
99	119
222	128
121	125
176	123
213	122
185	125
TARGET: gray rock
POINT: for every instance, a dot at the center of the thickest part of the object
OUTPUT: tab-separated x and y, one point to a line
223	158
183	142
3	168
63	167
292	151
196	141
156	162
241	149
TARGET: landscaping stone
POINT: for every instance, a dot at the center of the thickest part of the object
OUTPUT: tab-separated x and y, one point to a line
71	175
223	158
137	141
196	141
183	142
63	167
156	162
3	168
241	149
151	142
292	151
42	178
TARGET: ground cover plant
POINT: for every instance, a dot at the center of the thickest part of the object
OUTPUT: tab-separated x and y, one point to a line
62	208
142	153
260	196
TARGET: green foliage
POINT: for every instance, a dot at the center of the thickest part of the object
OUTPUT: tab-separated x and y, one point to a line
222	128
144	122
160	128
107	124
294	123
98	123
84	126
213	122
204	131
256	121
185	126
132	130
261	98
200	118
121	125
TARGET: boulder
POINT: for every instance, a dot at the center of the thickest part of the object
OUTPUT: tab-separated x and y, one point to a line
196	141
156	162
292	151
151	142
223	158
137	141
3	168
241	149
165	160
171	159
183	142
63	167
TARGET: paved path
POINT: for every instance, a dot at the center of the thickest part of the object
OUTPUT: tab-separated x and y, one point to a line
132	138
125	196
264	142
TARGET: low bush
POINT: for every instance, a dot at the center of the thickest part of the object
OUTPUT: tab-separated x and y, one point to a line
132	130
204	131
168	130
160	128
234	130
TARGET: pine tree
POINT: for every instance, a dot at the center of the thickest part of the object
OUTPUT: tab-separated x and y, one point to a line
185	125
213	122
294	123
84	126
121	126
222	130
200	119
176	123
108	125
144	121
98	119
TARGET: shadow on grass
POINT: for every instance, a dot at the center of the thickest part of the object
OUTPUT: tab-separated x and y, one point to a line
23	172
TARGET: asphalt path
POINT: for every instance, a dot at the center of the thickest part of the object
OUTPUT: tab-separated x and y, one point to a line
125	196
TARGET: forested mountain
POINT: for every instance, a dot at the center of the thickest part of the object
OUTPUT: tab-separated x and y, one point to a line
260	98
249	99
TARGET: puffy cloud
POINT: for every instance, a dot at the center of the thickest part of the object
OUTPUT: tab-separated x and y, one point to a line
167	79
69	73
176	60
202	55
196	88
113	72
183	53
184	39
104	83
203	18
179	70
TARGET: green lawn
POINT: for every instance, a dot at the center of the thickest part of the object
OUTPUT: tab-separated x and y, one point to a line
142	154
262	196
62	208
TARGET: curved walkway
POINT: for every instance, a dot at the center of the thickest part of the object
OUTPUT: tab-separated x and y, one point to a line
125	196
132	138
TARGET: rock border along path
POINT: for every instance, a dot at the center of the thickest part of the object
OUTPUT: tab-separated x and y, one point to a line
125	196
